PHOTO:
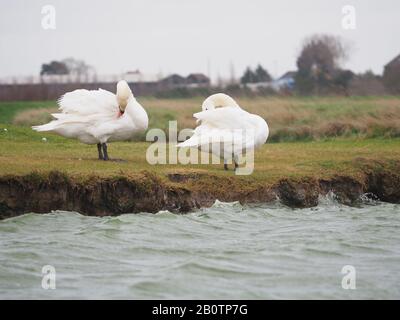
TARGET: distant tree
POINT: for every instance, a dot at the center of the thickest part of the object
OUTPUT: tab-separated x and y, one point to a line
319	62
54	67
248	76
342	79
259	75
77	67
66	66
262	75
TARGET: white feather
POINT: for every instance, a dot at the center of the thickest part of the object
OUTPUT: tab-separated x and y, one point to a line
93	116
228	130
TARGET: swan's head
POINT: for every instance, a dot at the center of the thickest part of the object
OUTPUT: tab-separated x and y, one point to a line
218	100
123	94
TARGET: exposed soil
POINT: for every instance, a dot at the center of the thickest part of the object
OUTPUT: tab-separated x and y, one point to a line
146	192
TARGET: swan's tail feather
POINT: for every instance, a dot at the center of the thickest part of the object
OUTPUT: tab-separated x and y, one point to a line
59	115
45	127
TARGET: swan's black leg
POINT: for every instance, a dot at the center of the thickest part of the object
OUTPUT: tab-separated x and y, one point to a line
235	161
226	166
99	150
105	158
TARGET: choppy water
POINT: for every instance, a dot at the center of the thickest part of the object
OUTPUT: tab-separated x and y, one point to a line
227	251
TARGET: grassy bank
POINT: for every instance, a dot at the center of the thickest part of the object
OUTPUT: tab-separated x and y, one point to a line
290	119
350	146
23	151
321	137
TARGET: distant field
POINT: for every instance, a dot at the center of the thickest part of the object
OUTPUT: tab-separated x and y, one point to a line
9	110
289	119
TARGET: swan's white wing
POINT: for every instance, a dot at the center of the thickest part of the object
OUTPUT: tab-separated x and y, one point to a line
88	102
227	124
93	116
88	107
64	120
204	135
225	118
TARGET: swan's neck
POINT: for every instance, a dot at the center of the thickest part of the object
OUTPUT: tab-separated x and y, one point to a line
219	100
137	113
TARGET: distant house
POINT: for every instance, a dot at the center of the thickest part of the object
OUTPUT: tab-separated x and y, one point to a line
391	75
174	80
193	80
197	80
393	63
136	76
286	81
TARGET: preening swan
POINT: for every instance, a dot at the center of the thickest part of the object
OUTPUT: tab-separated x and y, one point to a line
227	130
98	117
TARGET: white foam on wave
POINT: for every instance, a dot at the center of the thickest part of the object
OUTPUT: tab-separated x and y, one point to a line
329	199
221	204
370	199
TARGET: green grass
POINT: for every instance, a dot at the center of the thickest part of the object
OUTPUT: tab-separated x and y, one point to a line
319	137
8	110
22	151
290	119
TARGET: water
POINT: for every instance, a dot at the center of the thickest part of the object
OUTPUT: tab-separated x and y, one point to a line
227	251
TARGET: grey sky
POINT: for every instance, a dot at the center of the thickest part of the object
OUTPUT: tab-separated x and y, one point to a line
182	35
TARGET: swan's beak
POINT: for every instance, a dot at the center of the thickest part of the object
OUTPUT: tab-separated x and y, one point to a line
121	112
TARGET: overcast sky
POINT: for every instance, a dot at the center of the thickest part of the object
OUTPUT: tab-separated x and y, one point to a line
186	36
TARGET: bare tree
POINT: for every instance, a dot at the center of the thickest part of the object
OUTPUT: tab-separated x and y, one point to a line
73	67
77	67
319	62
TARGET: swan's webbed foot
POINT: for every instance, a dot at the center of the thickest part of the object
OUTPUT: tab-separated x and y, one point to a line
105	153
235	163
100	152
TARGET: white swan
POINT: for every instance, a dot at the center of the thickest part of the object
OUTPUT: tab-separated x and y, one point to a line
231	130
98	116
